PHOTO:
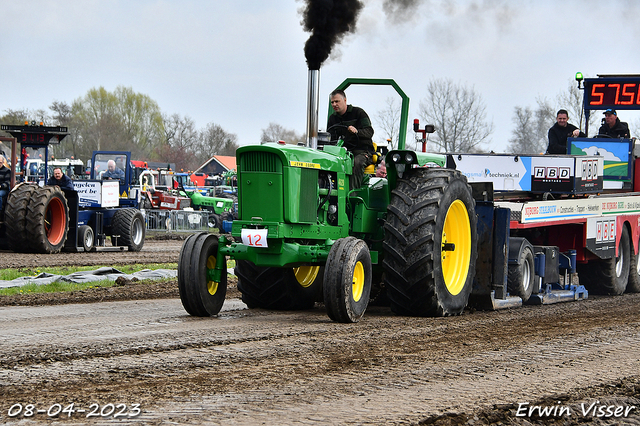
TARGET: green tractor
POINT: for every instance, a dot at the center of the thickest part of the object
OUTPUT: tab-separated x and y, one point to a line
303	237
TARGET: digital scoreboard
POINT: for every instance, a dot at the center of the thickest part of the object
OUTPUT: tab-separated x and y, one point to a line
36	135
612	92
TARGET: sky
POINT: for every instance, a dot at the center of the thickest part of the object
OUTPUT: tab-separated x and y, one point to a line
241	63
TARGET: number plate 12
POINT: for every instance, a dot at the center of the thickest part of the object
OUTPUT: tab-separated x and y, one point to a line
255	237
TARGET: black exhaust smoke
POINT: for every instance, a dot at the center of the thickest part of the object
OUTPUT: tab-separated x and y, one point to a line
327	21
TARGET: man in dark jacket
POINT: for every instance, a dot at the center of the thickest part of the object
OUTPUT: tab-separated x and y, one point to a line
357	132
5	180
560	132
60	179
612	126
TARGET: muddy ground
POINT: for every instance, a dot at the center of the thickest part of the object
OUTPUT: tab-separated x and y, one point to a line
134	344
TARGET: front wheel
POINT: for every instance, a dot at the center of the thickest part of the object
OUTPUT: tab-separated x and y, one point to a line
128	225
347	281
86	239
201	296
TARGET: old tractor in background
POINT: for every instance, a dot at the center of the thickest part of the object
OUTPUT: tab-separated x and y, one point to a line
303	237
46	219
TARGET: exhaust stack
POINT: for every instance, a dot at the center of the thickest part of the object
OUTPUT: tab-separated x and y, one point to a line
313	102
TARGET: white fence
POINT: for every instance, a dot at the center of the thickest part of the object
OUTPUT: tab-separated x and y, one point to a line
176	220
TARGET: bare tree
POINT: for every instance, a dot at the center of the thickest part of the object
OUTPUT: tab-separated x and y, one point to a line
275	132
458	113
387	123
531	128
179	144
214	140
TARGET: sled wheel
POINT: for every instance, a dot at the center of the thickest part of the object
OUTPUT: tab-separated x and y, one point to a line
347	281
129	225
430	243
47	220
285	289
520	278
16	217
608	276
200	295
633	285
86	238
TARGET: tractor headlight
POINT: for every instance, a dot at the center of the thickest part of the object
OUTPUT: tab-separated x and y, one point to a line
408	158
396	157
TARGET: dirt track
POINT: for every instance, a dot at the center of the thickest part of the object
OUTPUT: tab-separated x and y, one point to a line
259	367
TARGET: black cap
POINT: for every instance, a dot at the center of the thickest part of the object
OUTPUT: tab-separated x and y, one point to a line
611	111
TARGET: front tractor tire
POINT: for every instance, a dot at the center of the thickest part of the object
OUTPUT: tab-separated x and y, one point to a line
430	244
47	221
200	295
128	225
347	281
281	289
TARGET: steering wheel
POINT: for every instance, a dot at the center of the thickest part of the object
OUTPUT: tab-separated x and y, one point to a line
341	137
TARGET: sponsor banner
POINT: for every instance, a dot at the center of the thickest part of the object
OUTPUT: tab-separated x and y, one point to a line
571	209
535	173
97	193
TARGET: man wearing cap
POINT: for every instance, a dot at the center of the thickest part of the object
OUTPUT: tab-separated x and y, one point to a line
559	133
612	126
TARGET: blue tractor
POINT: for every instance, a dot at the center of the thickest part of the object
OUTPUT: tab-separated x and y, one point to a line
41	218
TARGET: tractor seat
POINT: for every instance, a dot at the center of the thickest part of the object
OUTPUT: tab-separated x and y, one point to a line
375	160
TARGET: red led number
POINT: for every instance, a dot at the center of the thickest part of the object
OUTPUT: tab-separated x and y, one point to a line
614	94
595	94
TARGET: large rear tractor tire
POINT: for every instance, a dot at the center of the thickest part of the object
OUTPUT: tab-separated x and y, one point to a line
47	220
128	225
283	289
608	276
430	243
347	281
521	276
16	217
200	295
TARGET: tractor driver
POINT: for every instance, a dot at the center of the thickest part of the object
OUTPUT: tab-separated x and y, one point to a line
60	179
358	133
113	172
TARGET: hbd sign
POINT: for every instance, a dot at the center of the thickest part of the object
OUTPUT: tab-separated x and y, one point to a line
552	173
589	169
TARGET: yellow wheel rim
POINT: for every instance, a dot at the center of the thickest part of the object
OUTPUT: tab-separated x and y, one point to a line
212	286
357	286
306	275
456	247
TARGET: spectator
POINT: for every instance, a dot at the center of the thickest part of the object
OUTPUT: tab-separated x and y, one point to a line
5	180
560	132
